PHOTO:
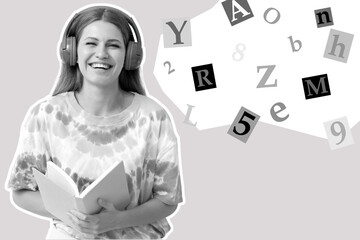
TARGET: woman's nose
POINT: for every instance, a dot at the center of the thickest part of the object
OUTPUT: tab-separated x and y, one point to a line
101	52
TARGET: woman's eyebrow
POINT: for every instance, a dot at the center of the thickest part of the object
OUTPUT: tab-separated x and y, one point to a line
108	40
91	38
113	40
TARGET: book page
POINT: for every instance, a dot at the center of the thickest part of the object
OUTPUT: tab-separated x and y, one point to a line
111	186
56	200
98	180
60	178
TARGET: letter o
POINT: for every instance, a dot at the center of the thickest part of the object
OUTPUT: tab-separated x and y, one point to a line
267	12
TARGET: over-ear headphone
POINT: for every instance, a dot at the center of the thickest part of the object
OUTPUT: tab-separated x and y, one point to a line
134	52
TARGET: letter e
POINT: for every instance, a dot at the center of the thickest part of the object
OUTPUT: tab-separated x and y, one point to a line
274	113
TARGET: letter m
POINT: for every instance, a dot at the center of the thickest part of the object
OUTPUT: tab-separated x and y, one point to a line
316	86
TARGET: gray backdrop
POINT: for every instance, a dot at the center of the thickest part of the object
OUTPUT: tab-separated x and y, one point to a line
280	185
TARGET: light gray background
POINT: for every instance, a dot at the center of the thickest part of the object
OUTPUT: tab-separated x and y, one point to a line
280	185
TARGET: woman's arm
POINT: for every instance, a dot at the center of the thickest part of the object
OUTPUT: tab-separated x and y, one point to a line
151	211
110	218
30	201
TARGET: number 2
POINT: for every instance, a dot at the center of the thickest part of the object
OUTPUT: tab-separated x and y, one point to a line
169	64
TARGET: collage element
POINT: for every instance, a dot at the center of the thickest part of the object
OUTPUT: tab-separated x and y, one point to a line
286	64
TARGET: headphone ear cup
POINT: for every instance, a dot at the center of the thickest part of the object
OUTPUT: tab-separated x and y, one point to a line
72	47
133	56
68	52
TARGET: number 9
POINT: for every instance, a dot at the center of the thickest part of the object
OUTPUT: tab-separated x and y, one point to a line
342	131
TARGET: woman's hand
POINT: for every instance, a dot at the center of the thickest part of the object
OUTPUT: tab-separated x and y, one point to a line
102	222
110	218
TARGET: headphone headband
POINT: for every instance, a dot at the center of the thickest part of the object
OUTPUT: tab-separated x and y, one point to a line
134	51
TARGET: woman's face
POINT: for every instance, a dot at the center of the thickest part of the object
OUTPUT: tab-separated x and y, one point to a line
101	54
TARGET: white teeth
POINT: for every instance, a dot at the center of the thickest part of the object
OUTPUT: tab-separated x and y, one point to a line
100	65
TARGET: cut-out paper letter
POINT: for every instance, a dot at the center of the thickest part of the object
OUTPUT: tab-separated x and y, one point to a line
323	17
237	11
177	32
243	124
338	46
316	86
204	77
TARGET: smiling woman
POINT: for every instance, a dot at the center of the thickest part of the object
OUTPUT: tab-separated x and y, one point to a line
101	54
98	115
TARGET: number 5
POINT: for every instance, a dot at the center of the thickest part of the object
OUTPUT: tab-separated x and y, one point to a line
245	119
246	124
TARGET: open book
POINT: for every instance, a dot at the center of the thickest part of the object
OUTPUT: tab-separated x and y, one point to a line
60	193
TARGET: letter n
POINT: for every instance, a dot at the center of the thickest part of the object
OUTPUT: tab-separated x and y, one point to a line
323	17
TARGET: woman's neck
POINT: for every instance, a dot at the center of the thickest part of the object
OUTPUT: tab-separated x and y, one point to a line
102	102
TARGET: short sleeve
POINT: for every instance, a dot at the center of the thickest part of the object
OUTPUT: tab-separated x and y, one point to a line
32	151
167	182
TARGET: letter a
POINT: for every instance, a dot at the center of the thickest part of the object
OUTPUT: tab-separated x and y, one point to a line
237	11
236	5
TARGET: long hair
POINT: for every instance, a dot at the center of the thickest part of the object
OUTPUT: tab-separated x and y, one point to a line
70	77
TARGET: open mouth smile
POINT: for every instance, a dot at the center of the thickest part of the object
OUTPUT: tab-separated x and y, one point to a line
103	66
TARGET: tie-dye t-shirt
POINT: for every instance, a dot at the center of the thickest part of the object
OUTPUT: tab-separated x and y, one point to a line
57	129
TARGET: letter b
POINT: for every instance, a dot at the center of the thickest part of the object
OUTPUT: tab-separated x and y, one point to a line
293	46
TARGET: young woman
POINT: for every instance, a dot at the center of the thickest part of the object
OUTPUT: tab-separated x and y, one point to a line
97	115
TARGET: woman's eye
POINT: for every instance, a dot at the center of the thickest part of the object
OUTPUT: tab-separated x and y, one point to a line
90	43
114	46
